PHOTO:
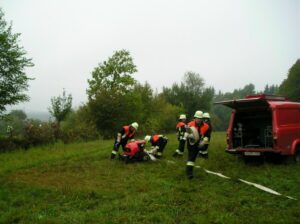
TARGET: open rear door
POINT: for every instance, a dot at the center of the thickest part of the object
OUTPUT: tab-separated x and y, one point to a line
245	104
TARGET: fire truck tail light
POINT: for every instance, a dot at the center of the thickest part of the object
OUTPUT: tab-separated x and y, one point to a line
227	138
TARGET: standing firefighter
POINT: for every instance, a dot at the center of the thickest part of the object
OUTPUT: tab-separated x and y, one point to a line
158	143
180	128
204	150
196	136
126	133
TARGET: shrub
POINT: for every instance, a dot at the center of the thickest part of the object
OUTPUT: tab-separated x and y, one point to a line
78	126
39	133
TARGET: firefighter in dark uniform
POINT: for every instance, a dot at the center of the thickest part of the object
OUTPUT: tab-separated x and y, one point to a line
196	139
180	128
127	132
204	151
158	143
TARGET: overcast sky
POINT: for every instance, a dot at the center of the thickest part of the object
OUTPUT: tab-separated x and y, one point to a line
229	43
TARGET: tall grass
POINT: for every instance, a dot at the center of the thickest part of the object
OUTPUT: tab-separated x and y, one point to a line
77	183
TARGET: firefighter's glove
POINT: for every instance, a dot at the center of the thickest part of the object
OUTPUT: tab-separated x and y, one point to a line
185	136
205	140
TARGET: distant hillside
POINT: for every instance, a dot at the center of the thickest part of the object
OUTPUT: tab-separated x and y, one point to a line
40	115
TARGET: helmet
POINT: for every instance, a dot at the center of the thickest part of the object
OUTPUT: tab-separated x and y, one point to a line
147	138
206	115
198	114
135	125
182	116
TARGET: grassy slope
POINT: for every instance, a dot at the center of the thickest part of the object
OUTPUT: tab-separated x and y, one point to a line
77	183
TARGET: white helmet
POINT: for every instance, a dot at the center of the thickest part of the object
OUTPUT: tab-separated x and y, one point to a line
182	116
198	114
147	138
206	115
135	125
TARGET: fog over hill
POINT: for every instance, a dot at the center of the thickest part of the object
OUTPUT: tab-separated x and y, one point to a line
40	115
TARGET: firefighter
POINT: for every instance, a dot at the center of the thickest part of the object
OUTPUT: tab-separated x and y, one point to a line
158	143
180	128
196	139
135	151
204	151
127	132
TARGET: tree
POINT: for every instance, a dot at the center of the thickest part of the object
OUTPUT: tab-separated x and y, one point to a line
143	95
221	114
16	119
271	90
162	117
60	106
191	94
13	61
20	114
290	87
111	110
110	101
113	75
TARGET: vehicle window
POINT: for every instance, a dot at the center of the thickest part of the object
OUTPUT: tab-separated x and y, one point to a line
288	116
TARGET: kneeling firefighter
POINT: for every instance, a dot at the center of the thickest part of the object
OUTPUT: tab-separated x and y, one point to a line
196	139
204	150
135	151
158	143
181	129
127	132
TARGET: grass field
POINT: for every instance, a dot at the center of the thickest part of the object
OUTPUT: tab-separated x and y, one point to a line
77	183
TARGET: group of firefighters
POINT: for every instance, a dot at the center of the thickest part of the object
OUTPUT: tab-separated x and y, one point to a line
196	134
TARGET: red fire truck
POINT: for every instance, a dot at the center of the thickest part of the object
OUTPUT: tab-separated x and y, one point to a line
264	124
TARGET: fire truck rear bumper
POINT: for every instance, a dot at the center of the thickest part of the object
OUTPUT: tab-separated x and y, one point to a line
252	151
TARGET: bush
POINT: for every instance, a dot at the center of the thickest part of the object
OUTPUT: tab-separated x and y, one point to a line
78	127
40	133
29	132
163	117
12	143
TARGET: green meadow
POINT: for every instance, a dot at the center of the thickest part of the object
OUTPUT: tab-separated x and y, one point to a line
77	183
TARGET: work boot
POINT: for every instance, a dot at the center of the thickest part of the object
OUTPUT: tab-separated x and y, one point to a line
113	156
157	156
189	172
205	156
175	154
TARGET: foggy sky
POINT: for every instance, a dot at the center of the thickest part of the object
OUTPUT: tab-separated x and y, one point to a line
229	43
